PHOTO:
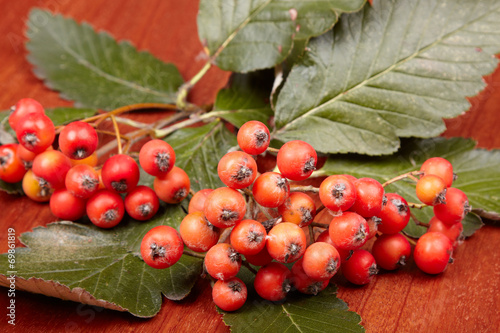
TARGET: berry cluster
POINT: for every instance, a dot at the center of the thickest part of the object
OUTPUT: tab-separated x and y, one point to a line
69	179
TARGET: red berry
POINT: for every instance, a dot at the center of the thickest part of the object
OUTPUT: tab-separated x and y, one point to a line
82	181
395	214
369	197
222	261
440	167
303	282
197	233
337	193
433	252
52	166
452	231
253	137
270	190
22	108
321	261
66	206
229	295
260	259
172	187
297	160
11	167
248	237
299	209
35	188
105	209
431	190
225	207
286	242
78	140
391	251
237	169
120	173
142	203
35	132
454	209
197	202
360	267
348	231
272	282
161	247
157	157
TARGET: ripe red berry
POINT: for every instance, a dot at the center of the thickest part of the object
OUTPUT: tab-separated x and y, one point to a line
222	261
369	197
35	188
337	193
303	283
296	160
373	223
78	140
431	189
172	187
286	242
120	173
360	267
197	202
161	247
395	214
454	209
452	231
52	165
11	167
225	207
270	190
157	157
433	252
391	251
142	203
35	132
253	137
105	209
260	259
299	209
248	237
66	206
348	231
237	169
22	108
82	181
321	261
197	233
272	282
440	167
229	295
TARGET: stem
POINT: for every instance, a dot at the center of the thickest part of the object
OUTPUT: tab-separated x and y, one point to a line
224	236
184	89
130	122
193	254
299	188
118	137
247	265
272	150
410	174
417	221
320	225
410	240
124	137
310	228
166	131
416	205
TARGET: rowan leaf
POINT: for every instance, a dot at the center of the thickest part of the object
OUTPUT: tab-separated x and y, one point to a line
477	170
92	68
101	266
243	36
391	70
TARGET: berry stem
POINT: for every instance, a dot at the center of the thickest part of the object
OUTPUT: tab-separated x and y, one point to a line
301	188
118	137
272	150
247	265
320	225
417	221
310	228
416	205
410	175
410	240
193	254
186	87
224	235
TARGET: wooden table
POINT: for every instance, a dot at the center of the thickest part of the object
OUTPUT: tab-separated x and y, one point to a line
464	299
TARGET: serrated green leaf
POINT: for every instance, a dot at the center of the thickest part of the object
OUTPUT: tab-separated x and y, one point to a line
243	36
394	69
105	263
61	116
94	70
198	151
247	98
477	170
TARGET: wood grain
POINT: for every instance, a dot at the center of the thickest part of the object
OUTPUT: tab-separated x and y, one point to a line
463	299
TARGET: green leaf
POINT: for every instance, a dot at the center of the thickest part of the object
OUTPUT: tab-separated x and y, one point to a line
198	151
247	98
65	258
391	70
243	36
11	188
477	170
61	116
471	223
297	313
92	68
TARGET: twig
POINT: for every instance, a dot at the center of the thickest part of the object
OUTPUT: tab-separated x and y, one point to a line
225	234
320	225
193	254
416	205
410	174
300	188
118	137
247	265
410	240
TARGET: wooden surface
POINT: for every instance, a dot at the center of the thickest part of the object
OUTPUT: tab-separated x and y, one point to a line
463	299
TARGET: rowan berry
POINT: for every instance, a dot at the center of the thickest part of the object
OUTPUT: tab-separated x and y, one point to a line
197	233
22	108
433	252
157	157
172	187
452	231
337	193
35	132
229	295
222	261
66	206
348	231
11	167
286	242
299	209
360	268
248	237
431	189
82	181
105	209
440	167
253	137
224	207
78	140
35	188
303	283
454	209
391	251
271	189
296	160
52	166
142	203
260	259
321	261
237	169
394	215
197	202
161	247
120	173
369	197
272	282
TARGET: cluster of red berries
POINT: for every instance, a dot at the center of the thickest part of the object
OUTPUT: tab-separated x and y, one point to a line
68	177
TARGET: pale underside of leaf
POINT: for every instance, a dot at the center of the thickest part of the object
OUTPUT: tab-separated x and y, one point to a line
92	68
243	36
391	70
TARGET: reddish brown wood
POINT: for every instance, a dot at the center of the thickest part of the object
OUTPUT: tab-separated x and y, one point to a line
463	299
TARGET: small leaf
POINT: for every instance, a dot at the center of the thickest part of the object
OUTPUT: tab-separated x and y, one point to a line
11	188
102	265
92	68
477	170
391	70
247	98
198	151
471	223
244	36
61	116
